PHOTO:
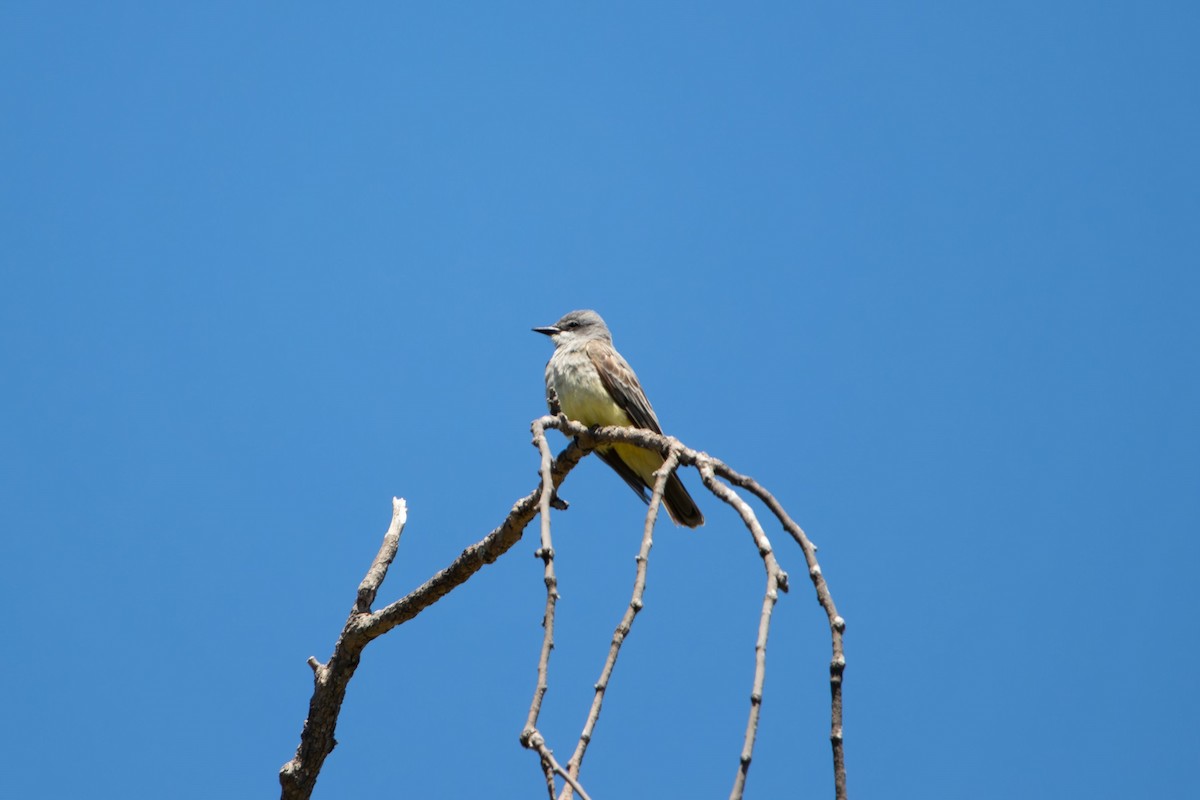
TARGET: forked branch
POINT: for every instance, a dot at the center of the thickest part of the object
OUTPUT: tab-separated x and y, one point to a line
298	776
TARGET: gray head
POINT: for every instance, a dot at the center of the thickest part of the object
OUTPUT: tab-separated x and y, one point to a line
578	326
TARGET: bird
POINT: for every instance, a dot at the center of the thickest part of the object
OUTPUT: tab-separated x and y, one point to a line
589	381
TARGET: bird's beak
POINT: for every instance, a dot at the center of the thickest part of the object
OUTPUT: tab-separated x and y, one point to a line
549	330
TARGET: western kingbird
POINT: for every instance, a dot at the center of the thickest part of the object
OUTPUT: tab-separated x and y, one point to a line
587	380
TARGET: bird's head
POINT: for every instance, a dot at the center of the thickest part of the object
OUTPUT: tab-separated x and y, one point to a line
578	326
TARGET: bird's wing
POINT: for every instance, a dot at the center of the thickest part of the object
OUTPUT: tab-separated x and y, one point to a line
617	376
613	459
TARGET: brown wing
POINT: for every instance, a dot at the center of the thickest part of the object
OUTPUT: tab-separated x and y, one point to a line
630	477
617	376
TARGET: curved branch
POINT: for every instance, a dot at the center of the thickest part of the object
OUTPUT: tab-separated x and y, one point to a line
776	580
298	777
590	437
837	625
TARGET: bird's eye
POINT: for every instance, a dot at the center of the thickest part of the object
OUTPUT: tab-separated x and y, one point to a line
573	323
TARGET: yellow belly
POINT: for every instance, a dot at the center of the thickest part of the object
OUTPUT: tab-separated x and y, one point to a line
581	395
583	398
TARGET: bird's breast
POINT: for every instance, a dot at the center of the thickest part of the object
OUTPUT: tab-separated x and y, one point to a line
581	394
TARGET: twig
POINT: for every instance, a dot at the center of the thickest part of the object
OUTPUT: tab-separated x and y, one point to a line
472	559
548	771
626	625
383	559
776	580
546	553
537	742
837	625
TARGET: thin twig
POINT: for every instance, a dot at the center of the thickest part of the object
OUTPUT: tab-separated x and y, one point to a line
472	559
548	771
383	559
636	603
776	579
538	742
546	553
837	625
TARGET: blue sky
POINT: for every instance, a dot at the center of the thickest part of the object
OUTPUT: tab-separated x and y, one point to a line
927	272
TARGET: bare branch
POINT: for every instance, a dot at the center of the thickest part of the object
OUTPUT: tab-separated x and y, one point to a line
546	553
588	438
776	579
626	625
472	559
383	559
298	777
837	625
538	743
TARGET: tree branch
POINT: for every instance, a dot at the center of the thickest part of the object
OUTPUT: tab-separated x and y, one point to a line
530	737
626	625
538	743
837	625
776	579
590	437
298	777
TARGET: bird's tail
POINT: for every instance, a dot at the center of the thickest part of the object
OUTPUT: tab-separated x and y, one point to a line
680	504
